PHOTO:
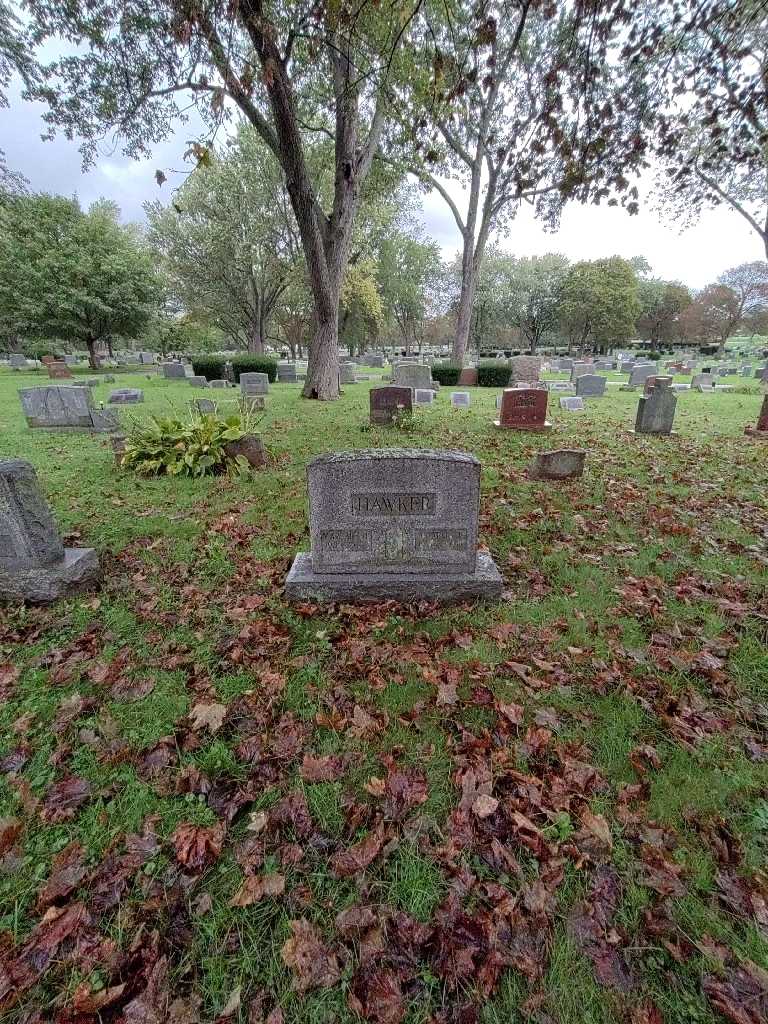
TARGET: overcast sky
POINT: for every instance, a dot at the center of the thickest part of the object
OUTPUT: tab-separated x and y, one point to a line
695	256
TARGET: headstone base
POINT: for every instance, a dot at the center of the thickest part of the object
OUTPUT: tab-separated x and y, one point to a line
42	585
528	430
654	433
303	584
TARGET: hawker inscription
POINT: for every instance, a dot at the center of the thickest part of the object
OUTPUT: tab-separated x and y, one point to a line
394	504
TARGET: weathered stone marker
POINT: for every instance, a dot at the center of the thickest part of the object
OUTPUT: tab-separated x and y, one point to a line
58	407
468	377
414	375
460	399
761	430
590	385
173	371
564	464
220	383
387	403
58	370
393	524
572	404
423	396
126	396
254	383
524	369
347	373
205	406
198	381
524	409
34	564
656	411
286	373
640	373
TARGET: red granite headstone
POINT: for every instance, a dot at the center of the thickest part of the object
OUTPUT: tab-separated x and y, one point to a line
650	381
58	371
524	409
468	377
47	360
762	421
389	402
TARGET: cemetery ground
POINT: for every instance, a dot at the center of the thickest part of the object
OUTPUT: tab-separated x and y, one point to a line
219	807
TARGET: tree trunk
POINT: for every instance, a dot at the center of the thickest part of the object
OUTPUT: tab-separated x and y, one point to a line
466	302
323	365
255	338
93	359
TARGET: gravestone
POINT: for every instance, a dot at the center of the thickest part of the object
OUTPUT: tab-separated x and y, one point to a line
579	369
205	406
387	403
761	373
173	371
413	375
59	407
423	396
560	385
145	358
565	364
460	399
702	382
220	383
640	373
468	377
198	381
524	409
563	464
746	371
572	404
72	360
251	448
347	373
286	373
626	365
590	385
374	359
254	383
58	370
126	396
17	361
761	430
34	564
393	524
524	369
656	411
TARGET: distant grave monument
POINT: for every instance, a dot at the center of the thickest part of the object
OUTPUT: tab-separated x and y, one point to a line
254	383
59	407
590	385
17	361
524	369
58	370
198	381
572	404
126	396
34	564
563	464
388	403
173	371
460	399
468	377
656	411
393	524
347	373
205	406
423	396
524	409
640	372
286	373
414	375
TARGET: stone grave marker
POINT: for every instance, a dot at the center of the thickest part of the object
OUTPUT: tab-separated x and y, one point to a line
286	373
108	378
198	381
572	404
413	375
256	403
626	365
560	385
524	369
34	564
387	403
460	399
126	396
468	377
62	407
58	370
761	430
220	383
746	371
578	369
640	373
524	409
423	396
173	371
761	373
590	385
563	464
254	383
145	358
656	411
17	361
393	524
347	373
565	364
205	406
702	382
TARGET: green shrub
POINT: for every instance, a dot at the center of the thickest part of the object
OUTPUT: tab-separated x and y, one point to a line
493	374
169	445
446	374
255	364
210	367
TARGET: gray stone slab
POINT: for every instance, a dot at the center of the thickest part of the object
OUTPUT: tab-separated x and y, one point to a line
572	404
656	411
563	464
17	361
641	372
461	399
347	373
173	371
580	368
413	375
423	396
78	570
126	396
60	407
388	403
304	584
394	511
205	406
198	381
590	385
254	383
221	383
524	369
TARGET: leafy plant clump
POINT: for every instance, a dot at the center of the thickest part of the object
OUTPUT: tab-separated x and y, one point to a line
210	367
446	374
255	364
195	447
493	374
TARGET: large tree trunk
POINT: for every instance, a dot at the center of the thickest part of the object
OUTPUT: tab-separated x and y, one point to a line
466	303
323	365
93	359
255	338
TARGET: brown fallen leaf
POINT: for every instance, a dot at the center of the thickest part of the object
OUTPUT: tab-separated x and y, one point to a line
208	716
598	826
67	871
322	769
485	806
377	995
313	963
64	798
358	857
86	1001
255	888
197	846
10	829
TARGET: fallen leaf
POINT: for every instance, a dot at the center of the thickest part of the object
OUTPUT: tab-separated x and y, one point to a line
255	888
485	806
358	857
197	846
207	716
313	963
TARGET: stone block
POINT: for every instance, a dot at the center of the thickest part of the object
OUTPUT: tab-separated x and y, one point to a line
254	383
126	396
524	409
563	464
387	403
58	407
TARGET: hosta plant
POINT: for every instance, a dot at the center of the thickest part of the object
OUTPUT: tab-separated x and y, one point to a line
191	446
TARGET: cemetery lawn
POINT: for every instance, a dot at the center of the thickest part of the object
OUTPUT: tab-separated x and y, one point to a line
549	809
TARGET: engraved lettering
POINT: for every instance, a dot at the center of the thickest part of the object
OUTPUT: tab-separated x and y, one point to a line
394	504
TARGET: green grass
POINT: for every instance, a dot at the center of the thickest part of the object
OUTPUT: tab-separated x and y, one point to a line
638	601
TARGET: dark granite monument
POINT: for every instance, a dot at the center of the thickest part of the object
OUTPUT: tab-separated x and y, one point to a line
387	403
524	409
